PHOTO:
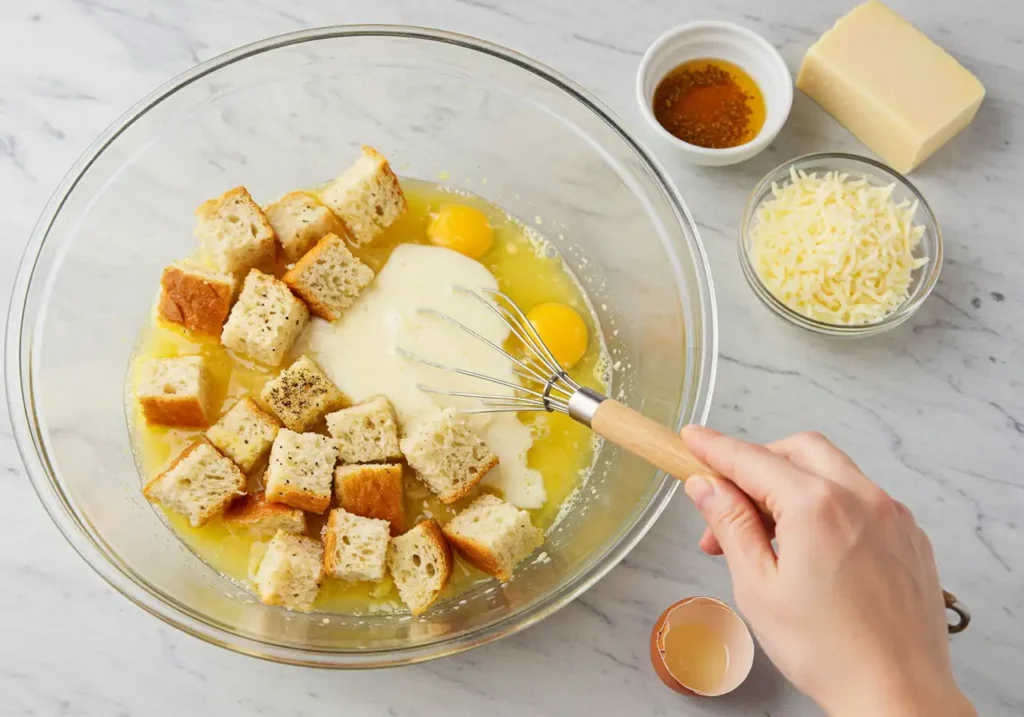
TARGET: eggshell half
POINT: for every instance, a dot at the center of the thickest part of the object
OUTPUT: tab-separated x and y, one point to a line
723	620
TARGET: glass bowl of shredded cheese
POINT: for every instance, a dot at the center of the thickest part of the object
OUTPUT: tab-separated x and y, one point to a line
840	244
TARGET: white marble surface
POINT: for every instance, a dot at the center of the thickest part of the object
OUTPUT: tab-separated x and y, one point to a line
934	411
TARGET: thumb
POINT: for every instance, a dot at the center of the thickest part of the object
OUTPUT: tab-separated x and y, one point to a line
737	526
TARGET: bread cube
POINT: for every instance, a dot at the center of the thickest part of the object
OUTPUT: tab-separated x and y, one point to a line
493	536
447	455
290	572
301	470
367	198
328	278
421	565
244	434
256	517
299	220
366	433
372	490
355	548
301	394
265	321
199	484
195	298
175	391
235	232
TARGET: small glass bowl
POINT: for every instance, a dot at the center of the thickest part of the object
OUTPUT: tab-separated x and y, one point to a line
930	246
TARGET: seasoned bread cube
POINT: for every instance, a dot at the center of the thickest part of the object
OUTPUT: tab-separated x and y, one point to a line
301	394
493	536
447	455
299	220
421	565
195	298
373	490
175	391
244	433
366	433
367	198
290	572
355	548
235	232
329	278
199	484
265	321
253	515
301	470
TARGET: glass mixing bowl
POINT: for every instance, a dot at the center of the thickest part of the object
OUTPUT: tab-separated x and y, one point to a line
289	112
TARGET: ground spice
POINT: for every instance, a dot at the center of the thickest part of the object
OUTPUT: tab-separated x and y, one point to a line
709	103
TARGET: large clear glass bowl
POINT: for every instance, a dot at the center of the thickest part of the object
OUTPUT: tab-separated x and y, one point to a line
289	112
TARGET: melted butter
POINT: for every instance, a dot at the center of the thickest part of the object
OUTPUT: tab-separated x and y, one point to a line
562	451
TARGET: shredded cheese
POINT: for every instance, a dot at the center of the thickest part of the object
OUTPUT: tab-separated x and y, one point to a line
836	249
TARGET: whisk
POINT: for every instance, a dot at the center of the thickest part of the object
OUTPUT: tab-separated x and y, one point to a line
543	385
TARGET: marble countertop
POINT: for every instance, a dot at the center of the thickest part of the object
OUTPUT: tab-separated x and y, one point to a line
934	410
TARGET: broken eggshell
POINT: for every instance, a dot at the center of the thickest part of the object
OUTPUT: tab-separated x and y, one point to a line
725	622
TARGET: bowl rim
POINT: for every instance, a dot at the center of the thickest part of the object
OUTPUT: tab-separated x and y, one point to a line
886	323
90	546
740	152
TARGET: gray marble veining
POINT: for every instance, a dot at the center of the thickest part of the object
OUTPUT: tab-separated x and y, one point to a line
934	411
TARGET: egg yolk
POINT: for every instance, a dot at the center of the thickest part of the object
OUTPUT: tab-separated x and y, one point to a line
461	228
562	329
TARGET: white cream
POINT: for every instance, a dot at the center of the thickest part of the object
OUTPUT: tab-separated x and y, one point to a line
358	354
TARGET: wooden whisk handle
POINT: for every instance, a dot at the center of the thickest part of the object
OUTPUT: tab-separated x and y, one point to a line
657	444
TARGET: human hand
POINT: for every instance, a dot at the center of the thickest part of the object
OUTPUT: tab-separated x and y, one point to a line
849	606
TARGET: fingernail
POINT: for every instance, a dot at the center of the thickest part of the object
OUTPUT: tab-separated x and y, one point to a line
699	489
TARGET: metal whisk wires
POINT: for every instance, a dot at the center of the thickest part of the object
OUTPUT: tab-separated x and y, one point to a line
543	384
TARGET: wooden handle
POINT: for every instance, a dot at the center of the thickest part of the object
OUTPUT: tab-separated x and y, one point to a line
657	444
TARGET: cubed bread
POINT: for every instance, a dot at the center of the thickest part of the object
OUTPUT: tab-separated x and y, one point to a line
301	470
493	535
329	278
175	391
301	394
299	220
290	572
265	321
256	517
421	565
195	298
372	490
244	434
235	232
367	198
366	433
355	548
199	484
447	455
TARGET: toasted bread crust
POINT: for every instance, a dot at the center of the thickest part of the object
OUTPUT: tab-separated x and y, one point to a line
298	498
330	538
193	302
478	556
146	489
436	534
466	489
293	278
372	491
252	510
183	411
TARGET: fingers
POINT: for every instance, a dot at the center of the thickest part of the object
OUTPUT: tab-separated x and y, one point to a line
816	454
709	543
737	527
770	480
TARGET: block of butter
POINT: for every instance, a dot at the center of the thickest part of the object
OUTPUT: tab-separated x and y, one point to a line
893	88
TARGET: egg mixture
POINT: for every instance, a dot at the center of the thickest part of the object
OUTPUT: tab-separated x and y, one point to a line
444	239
